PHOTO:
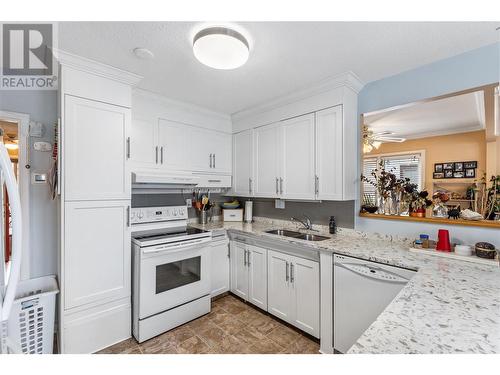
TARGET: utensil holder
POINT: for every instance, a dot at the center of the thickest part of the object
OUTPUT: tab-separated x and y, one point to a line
203	217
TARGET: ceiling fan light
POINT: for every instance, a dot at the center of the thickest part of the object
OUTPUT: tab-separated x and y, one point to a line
11	146
221	48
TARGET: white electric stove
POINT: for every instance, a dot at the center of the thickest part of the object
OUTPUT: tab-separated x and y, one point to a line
171	278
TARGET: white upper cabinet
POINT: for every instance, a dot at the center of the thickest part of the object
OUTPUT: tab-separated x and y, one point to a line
221	149
329	154
297	179
200	151
95	150
143	143
210	151
172	145
243	180
267	161
309	157
305	143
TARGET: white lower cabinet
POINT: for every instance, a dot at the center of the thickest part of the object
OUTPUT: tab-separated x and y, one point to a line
219	265
96	328
97	253
96	275
249	273
293	291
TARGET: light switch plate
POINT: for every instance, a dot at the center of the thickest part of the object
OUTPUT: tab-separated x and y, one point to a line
189	202
279	203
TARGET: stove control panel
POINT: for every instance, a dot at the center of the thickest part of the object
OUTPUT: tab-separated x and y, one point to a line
141	215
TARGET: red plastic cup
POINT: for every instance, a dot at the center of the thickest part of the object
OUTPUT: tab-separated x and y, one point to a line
443	243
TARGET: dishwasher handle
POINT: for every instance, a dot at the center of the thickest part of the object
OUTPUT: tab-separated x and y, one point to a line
373	272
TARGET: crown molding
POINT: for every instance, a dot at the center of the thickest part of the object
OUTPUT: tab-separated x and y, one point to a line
349	80
179	104
94	67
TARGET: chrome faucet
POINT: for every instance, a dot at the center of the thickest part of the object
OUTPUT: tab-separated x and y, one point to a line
306	223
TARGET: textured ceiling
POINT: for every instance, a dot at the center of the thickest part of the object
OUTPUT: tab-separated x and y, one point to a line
285	56
456	114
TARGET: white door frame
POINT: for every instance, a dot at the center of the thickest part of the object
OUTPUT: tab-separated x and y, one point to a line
23	123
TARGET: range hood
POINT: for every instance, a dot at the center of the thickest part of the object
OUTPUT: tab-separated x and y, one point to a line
157	180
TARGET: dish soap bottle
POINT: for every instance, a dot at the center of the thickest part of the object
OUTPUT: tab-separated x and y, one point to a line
332	225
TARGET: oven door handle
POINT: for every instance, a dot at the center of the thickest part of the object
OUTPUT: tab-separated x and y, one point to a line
174	247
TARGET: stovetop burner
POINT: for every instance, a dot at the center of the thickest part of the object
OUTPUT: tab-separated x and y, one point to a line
188	231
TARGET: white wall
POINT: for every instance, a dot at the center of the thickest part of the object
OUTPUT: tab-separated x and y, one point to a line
149	107
42	107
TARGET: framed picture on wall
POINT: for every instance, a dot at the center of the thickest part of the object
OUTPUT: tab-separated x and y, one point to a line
470	164
459	167
438	175
448	173
438	167
470	173
459	174
448	166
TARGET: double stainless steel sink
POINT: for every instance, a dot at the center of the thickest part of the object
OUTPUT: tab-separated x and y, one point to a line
297	235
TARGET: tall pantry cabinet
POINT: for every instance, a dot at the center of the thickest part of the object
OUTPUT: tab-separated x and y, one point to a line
94	263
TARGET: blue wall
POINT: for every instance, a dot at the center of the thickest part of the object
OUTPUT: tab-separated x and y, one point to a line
471	69
42	107
468	70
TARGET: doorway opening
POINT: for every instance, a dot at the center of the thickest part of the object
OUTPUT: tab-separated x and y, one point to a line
14	133
9	135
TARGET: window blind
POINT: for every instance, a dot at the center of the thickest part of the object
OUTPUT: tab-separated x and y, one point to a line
369	164
403	166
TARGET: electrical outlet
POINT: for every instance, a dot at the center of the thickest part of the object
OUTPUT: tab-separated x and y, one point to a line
279	203
189	202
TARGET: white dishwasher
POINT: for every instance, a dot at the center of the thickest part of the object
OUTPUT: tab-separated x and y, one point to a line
361	291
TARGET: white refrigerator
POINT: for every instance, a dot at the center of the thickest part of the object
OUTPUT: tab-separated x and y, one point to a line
9	272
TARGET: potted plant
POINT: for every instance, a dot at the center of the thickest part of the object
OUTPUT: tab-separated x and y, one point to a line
386	183
417	200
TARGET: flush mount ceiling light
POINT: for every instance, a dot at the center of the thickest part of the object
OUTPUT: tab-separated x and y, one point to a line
221	48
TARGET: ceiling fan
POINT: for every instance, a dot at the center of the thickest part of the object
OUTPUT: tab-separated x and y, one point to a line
373	140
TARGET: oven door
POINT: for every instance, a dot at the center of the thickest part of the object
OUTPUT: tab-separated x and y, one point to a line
173	274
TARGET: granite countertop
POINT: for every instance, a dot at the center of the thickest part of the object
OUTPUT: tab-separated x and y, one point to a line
449	306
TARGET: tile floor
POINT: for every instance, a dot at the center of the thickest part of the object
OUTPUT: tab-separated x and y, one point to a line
232	326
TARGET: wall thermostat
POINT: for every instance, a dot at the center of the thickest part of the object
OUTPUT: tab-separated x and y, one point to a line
36	129
38	178
42	146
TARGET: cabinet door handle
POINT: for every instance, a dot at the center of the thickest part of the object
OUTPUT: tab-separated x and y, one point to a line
316	185
228	252
277	188
286	273
250	186
245	258
214	160
128	216
128	147
281	186
161	155
210	158
248	258
156	154
292	279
